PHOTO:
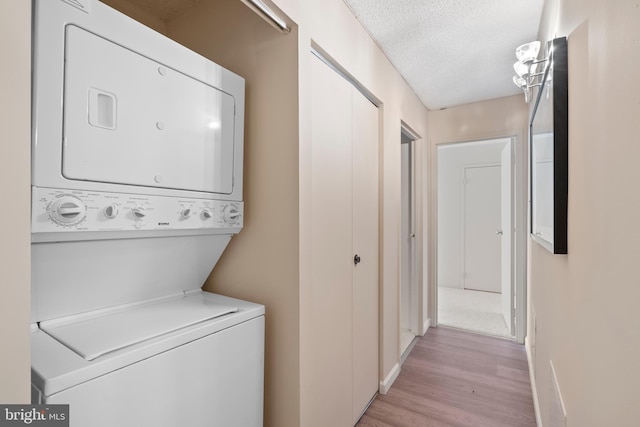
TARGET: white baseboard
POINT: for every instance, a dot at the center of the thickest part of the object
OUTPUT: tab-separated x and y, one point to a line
388	381
534	388
426	326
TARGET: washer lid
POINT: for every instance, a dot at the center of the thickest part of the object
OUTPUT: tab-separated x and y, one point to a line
93	337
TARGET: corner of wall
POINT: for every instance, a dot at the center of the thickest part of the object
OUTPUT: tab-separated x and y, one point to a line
15	177
386	384
532	379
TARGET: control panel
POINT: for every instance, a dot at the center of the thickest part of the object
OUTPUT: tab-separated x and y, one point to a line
56	210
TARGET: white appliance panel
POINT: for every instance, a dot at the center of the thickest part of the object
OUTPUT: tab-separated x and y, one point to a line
77	277
132	111
94	336
59	215
55	367
131	120
219	378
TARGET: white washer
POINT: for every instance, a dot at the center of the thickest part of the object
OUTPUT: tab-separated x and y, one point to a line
136	192
155	370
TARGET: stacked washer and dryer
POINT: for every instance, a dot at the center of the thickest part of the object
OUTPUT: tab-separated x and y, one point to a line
136	192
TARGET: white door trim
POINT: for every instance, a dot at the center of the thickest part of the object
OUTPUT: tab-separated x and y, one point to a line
507	282
416	190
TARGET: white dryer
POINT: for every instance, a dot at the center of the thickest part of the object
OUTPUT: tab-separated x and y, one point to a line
136	192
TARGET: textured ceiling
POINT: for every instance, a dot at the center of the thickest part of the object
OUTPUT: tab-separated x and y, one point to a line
452	52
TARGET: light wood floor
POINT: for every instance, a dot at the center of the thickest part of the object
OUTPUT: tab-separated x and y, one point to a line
454	378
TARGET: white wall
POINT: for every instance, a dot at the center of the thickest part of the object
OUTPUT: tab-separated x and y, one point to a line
15	181
586	302
452	159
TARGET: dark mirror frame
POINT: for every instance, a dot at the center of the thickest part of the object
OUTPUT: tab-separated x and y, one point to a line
550	121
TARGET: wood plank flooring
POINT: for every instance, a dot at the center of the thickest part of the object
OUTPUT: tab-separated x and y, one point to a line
454	378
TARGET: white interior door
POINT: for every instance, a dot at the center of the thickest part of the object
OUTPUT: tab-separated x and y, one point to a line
482	228
506	238
365	245
407	255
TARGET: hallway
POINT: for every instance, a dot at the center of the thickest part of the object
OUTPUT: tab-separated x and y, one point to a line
458	379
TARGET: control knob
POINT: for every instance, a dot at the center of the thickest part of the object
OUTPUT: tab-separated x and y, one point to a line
138	213
185	213
67	210
230	214
111	211
206	213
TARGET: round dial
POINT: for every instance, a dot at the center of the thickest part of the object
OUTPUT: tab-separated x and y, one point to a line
111	211
185	213
206	213
139	213
67	210
230	214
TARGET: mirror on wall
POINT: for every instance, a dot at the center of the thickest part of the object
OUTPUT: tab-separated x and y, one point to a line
548	143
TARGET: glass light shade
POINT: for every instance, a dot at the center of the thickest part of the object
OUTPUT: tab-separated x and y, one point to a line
519	81
521	69
528	51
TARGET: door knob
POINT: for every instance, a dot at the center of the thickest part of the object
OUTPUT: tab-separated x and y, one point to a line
499	232
356	259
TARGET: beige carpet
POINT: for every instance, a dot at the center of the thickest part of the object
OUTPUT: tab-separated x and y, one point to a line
472	310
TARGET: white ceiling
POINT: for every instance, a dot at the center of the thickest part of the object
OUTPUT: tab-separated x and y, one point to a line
452	52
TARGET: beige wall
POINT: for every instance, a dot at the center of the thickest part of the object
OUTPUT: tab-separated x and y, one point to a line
139	14
586	302
15	180
481	120
261	263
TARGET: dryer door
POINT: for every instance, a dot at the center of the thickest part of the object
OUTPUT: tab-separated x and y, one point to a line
131	120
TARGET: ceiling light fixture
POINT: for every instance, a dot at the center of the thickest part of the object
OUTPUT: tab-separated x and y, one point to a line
526	76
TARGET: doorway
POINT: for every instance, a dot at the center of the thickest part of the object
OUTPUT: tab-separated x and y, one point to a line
475	259
409	291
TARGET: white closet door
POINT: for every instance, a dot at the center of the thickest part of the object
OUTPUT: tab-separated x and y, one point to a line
344	318
365	245
332	259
